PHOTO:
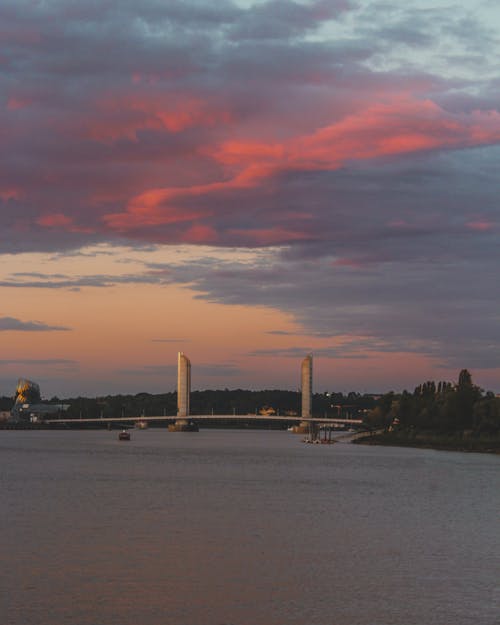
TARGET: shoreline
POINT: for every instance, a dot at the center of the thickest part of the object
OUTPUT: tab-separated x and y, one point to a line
439	443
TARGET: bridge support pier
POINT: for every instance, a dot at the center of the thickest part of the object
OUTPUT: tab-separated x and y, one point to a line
301	428
183	425
313	431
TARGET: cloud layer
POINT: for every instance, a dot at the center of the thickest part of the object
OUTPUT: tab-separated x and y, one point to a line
358	143
10	324
193	123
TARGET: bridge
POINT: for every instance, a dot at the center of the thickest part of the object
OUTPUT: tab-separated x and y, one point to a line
312	427
248	418
184	421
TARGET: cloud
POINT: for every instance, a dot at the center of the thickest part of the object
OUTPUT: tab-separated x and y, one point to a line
434	306
284	19
170	340
297	352
405	126
168	124
357	143
151	370
59	281
203	370
216	370
39	361
10	324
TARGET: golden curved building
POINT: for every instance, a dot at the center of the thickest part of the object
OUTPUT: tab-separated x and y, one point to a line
28	405
27	392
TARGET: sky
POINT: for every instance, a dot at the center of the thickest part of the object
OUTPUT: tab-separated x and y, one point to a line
248	182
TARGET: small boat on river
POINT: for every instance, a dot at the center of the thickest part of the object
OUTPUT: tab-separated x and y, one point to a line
124	435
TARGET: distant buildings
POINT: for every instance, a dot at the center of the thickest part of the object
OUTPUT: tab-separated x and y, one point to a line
306	379
28	405
267	411
183	384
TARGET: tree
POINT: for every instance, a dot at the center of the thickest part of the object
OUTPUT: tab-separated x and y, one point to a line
466	395
464	380
487	415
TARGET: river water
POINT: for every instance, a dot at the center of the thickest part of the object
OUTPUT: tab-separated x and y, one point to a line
244	528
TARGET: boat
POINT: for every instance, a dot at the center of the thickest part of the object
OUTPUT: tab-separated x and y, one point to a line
124	435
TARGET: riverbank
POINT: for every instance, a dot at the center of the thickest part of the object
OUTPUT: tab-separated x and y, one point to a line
425	440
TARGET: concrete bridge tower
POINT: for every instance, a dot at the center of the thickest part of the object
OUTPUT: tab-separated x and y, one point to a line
183	385
306	378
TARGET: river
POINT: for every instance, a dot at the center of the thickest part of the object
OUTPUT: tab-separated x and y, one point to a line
244	527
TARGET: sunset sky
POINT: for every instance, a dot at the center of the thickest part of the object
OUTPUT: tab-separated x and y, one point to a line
248	181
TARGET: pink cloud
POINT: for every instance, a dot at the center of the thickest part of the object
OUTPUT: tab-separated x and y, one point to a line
403	126
16	103
240	152
124	116
200	233
348	262
155	207
158	206
54	220
266	236
10	194
62	222
480	225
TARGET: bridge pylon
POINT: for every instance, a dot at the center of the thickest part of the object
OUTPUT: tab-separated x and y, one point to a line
306	377
183	423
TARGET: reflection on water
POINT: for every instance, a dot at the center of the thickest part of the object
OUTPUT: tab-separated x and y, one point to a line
244	528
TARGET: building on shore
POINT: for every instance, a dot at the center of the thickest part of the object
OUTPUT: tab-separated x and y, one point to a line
29	406
183	384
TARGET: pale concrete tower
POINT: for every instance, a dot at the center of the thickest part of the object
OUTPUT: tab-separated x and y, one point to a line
306	377
183	385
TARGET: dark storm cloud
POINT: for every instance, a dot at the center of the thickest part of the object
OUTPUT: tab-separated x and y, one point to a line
11	324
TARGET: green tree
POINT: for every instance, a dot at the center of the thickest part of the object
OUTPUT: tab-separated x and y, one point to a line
466	395
486	415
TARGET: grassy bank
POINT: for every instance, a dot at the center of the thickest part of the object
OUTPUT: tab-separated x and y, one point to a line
432	440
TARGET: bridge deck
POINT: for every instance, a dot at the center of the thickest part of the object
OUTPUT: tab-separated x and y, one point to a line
212	417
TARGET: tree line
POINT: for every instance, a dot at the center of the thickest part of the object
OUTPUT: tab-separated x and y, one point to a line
224	401
441	408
